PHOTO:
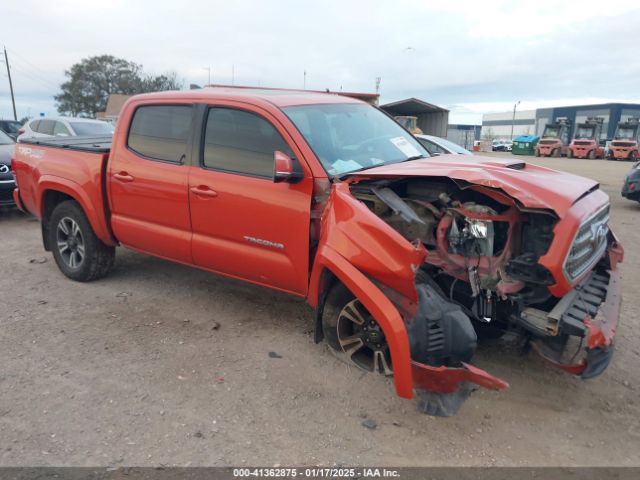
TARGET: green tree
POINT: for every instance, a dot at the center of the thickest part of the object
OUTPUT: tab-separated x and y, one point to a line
93	79
161	83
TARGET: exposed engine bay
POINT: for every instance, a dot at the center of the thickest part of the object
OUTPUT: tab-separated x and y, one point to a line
483	251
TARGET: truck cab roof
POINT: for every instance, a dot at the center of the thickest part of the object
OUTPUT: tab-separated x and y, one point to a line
275	96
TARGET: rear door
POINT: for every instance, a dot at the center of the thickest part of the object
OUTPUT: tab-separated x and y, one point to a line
245	225
148	175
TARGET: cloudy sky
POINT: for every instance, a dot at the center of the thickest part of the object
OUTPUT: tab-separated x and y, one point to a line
469	56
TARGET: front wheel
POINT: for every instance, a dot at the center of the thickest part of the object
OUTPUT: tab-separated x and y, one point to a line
353	334
78	252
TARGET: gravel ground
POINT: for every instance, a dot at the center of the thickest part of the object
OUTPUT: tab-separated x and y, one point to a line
163	364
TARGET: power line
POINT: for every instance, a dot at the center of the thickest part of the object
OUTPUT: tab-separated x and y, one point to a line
21	59
25	70
48	84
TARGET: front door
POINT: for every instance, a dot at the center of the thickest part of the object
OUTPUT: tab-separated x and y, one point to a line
148	176
245	225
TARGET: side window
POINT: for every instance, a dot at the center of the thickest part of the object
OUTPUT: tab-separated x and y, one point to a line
241	142
61	130
35	126
46	127
161	132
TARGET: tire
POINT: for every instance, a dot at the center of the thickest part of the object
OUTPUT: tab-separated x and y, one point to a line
569	153
360	344
556	153
633	156
78	252
591	155
537	152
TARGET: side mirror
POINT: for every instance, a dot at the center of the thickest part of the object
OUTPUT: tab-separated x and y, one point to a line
285	168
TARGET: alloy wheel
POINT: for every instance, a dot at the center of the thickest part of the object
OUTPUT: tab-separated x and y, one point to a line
70	242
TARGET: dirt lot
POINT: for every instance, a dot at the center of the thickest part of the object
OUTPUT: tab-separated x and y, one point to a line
163	364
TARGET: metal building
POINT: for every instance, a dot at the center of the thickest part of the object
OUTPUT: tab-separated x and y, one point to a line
532	122
432	120
463	135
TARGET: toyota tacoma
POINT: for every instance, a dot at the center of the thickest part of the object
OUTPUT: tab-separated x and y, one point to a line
406	259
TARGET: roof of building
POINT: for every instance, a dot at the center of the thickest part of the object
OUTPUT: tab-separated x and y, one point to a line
115	102
411	106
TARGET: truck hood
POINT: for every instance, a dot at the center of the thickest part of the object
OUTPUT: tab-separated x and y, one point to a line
531	185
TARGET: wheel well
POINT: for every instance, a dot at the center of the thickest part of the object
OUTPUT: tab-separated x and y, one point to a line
327	280
50	200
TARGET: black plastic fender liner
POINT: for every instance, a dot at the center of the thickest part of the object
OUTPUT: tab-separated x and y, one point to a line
440	333
440	404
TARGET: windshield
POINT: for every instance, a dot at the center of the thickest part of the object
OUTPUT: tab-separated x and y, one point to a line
351	136
92	128
585	132
551	132
5	139
627	133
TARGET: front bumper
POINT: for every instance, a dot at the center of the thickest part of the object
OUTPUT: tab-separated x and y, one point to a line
590	311
6	192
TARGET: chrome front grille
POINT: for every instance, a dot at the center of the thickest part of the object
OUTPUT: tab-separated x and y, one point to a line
589	244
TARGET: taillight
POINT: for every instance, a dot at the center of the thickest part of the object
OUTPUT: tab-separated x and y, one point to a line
13	165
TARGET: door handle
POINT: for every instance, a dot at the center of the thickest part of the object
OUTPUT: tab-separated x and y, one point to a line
203	191
123	177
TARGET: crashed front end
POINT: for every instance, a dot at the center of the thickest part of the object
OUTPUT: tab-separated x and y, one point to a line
490	264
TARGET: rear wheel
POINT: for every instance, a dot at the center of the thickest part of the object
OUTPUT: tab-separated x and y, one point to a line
569	153
78	252
633	156
556	153
353	334
591	155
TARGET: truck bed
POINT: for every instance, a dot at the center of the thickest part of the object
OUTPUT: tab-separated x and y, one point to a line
71	166
101	144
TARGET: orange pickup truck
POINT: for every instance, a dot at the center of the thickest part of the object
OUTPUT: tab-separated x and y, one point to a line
406	259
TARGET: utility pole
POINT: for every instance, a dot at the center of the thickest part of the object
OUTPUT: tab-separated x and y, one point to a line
208	69
513	120
13	99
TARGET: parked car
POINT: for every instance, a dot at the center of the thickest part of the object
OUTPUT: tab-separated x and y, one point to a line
64	127
501	145
10	127
7	184
631	186
437	145
404	257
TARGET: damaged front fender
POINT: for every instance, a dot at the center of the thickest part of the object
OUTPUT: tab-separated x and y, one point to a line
379	266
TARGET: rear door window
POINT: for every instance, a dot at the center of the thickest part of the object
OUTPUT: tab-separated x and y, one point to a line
241	142
61	130
46	127
161	132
